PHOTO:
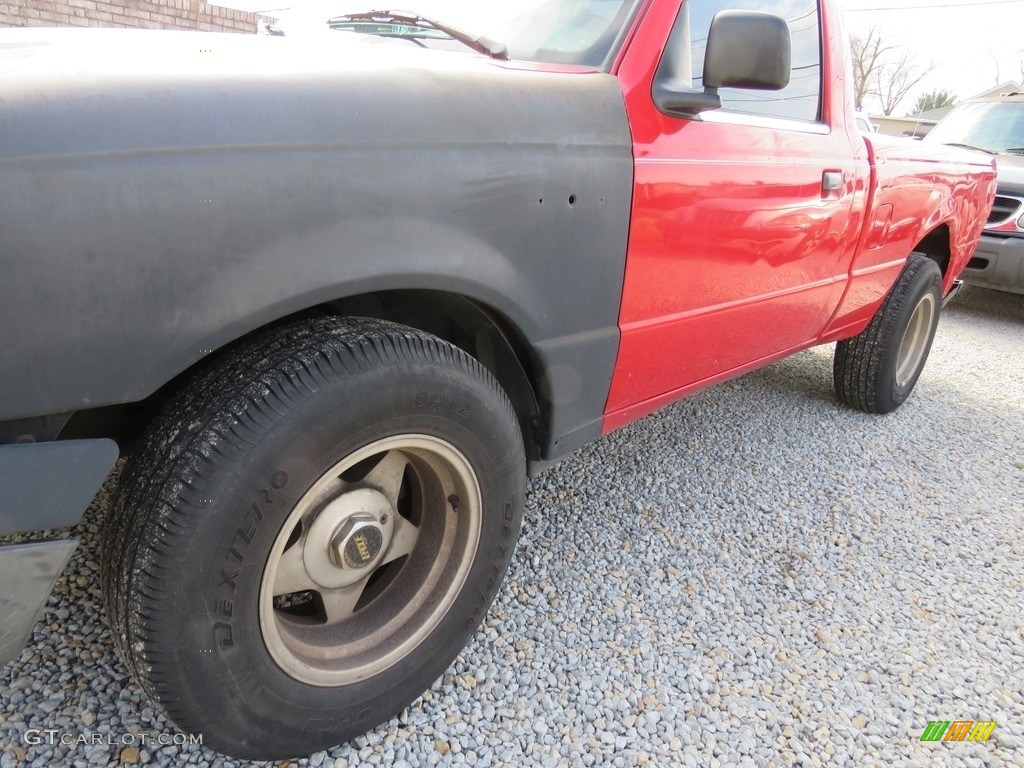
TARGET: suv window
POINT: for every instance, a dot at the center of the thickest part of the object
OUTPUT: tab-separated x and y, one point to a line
995	126
801	99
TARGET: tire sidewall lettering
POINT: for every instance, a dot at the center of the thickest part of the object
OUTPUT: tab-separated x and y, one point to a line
232	564
496	566
440	402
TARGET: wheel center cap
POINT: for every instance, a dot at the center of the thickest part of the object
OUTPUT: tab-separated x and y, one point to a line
348	538
362	546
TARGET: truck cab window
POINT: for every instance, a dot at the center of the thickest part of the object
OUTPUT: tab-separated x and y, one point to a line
801	99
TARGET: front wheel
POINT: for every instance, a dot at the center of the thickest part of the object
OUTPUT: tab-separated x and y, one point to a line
312	532
876	370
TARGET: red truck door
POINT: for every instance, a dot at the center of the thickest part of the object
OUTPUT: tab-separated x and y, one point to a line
745	219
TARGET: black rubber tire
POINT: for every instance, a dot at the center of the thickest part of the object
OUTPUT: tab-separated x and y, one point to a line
864	367
184	554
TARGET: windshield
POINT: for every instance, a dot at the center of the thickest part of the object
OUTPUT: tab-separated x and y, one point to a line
996	126
551	31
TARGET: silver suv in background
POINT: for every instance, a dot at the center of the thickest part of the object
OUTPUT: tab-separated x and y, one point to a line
995	125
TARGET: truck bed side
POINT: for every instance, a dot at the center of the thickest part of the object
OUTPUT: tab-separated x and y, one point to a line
920	199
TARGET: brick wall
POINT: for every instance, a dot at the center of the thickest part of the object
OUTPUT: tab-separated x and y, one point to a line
147	14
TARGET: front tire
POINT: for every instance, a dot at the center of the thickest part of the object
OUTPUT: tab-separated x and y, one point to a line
876	370
311	533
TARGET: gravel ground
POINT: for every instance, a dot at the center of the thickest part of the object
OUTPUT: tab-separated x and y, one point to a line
751	577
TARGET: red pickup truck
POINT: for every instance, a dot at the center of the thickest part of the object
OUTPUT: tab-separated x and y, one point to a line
334	298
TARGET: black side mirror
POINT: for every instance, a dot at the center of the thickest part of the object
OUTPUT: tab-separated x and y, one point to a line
748	49
745	49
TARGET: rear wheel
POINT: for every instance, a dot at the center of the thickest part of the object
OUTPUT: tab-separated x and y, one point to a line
876	370
311	532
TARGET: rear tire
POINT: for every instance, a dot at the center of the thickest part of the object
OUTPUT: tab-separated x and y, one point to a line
311	532
876	370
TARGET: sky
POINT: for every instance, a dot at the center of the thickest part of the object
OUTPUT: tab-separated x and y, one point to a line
965	47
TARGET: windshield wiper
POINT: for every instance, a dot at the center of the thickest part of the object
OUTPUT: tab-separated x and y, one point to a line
968	146
479	43
1014	150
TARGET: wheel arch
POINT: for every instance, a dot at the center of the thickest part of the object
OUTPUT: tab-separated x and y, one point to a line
475	327
936	244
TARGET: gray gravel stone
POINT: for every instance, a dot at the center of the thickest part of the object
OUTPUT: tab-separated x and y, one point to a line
754	576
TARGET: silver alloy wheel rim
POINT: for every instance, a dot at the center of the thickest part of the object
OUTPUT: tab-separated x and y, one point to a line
915	340
337	626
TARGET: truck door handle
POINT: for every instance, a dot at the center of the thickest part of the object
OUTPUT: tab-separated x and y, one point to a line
832	181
